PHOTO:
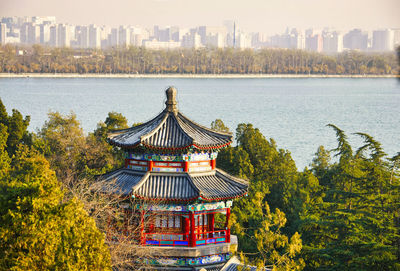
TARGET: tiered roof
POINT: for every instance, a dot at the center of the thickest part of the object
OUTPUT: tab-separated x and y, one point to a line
214	185
170	131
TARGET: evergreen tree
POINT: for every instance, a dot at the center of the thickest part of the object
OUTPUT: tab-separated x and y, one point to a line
274	183
353	229
39	231
16	127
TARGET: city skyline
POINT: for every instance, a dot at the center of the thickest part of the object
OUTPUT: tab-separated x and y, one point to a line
47	31
268	17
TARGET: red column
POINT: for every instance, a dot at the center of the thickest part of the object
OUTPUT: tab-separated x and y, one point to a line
186	166
212	227
187	229
213	163
192	239
228	230
150	165
126	163
142	236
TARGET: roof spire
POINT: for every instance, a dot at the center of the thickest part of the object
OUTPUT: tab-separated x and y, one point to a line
171	100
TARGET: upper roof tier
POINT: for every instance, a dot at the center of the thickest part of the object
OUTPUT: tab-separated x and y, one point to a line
170	131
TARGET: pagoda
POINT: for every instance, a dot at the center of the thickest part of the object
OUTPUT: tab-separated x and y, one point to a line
185	201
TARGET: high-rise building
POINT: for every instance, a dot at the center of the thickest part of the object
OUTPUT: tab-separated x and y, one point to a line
33	34
215	40
356	39
45	33
63	35
53	36
138	35
94	36
191	40
3	30
383	40
124	36
175	33
113	38
83	36
314	43
396	37
243	40
332	42
292	39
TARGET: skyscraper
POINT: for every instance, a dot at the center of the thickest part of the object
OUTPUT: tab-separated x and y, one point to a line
383	40
45	33
314	43
124	36
63	35
3	30
332	42
356	40
33	34
83	36
94	36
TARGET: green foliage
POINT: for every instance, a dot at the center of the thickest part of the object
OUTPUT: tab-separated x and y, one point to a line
271	171
114	121
135	60
71	153
219	126
16	127
356	226
274	183
4	158
260	236
39	231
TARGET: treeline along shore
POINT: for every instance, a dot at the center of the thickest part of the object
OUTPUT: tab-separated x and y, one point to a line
136	61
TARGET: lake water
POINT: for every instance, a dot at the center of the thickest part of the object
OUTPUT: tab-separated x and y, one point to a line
294	112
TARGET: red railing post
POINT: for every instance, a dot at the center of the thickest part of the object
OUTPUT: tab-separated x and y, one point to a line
142	235
150	165
213	163
192	239
228	230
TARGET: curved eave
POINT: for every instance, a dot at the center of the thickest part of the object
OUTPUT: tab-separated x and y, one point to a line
189	132
164	199
204	198
162	149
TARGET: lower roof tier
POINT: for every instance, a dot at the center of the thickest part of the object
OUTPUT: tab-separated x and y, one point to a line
214	185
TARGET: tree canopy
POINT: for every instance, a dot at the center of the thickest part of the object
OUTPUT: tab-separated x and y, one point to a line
39	231
139	60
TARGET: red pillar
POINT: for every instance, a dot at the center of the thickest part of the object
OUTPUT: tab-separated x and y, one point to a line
187	229
150	165
186	166
142	236
192	239
213	163
212	227
228	230
126	163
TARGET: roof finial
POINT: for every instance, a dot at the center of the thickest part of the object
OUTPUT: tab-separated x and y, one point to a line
171	100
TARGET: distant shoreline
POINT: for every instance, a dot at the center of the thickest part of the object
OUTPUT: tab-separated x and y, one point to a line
102	75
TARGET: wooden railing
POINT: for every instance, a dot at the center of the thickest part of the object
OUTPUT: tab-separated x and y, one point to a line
183	239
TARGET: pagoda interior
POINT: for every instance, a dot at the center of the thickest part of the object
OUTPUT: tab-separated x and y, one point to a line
182	201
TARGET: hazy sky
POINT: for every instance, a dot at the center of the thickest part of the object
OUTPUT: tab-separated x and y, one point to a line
267	16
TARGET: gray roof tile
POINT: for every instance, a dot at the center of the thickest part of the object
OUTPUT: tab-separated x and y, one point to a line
213	185
170	129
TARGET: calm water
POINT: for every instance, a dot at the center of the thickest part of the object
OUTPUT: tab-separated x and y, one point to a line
294	112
